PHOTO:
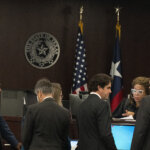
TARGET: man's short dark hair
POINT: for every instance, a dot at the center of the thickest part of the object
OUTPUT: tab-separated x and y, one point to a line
100	79
43	85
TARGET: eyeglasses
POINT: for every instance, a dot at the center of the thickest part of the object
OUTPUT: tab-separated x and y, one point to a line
137	91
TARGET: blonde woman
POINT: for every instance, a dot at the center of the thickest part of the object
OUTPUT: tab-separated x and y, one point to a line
57	93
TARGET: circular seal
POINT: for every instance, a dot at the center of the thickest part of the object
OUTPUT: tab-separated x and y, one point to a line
42	50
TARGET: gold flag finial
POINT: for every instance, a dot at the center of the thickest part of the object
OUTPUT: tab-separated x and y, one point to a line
118	26
80	22
81	12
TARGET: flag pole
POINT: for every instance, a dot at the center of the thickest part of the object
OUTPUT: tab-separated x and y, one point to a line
81	12
117	12
81	22
118	26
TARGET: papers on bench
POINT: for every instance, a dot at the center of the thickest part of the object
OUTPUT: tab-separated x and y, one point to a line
128	118
124	120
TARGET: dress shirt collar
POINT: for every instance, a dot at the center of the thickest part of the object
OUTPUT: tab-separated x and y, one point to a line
47	97
96	94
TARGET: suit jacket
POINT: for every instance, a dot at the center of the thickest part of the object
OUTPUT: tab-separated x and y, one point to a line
95	125
46	127
141	136
6	134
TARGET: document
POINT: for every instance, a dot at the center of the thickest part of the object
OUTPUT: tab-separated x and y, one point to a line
128	118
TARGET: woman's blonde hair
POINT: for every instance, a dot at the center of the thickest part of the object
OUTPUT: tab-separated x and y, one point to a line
57	93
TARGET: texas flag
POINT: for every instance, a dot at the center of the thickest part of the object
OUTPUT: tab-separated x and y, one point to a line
117	94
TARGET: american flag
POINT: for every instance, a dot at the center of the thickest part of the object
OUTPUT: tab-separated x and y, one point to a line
80	70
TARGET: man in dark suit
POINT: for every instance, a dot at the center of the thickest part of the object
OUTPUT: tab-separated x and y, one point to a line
141	136
94	116
46	123
6	134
